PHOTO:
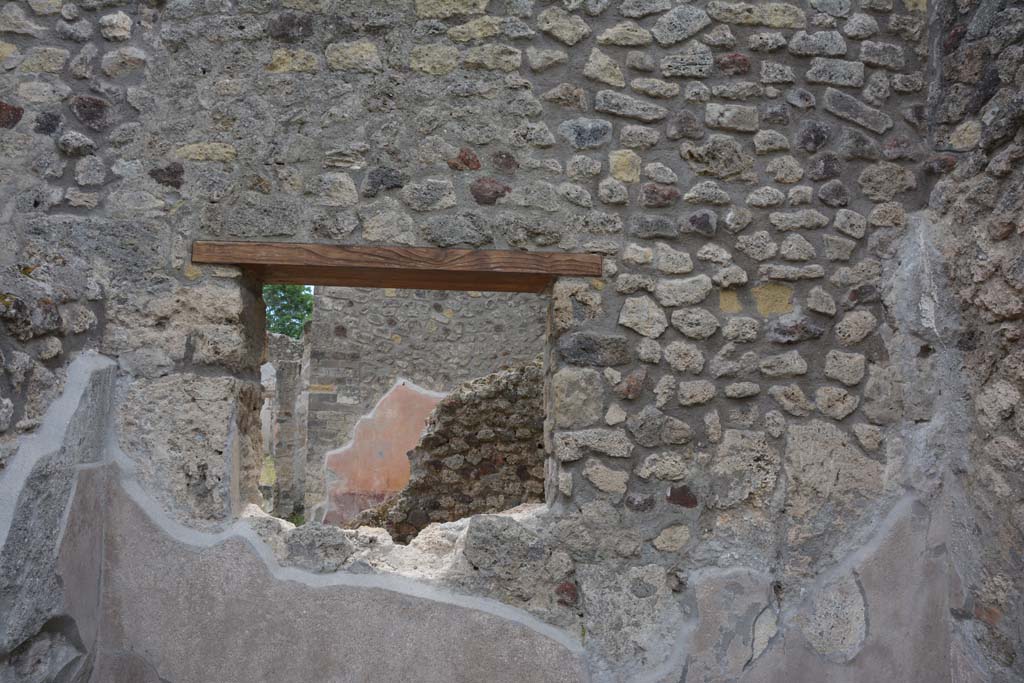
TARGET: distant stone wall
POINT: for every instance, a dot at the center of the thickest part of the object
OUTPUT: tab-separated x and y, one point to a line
483	451
362	341
288	435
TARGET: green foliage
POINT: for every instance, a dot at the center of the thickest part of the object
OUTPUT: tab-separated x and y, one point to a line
288	308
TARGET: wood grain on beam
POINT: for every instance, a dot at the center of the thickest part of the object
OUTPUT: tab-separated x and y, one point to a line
398	267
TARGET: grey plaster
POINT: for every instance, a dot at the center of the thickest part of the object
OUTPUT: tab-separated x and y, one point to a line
164	597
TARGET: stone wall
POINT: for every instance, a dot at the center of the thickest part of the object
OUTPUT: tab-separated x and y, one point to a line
363	341
782	429
288	431
976	120
482	451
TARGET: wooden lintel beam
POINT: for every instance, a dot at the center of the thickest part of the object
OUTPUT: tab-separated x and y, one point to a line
398	267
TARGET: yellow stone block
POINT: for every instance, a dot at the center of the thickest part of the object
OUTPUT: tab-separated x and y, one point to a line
284	60
624	165
442	9
436	60
361	56
781	15
966	136
482	27
729	301
773	298
207	151
48	60
322	389
390	291
6	50
192	272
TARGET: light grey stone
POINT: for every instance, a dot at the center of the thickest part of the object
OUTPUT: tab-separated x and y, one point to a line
583	133
818	44
789	364
731	117
694	60
696	392
625	34
684	292
611	102
572	446
854	327
643	316
851	109
695	323
684	357
860	26
835	402
679	24
577	395
838	72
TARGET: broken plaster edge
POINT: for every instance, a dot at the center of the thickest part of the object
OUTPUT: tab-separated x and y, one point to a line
240	530
50	436
328	474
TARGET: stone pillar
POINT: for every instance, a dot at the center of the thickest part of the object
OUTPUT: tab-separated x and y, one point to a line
286	356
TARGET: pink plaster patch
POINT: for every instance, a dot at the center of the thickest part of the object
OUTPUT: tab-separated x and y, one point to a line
373	466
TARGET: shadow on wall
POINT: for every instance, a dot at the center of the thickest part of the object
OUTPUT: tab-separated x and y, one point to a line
374	465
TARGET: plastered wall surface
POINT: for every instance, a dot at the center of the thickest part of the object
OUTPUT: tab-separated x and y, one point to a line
783	429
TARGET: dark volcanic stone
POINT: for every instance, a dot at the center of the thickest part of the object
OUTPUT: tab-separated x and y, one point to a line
825	167
467	160
93	112
586	133
853	144
646	425
684	124
703	222
834	194
290	27
487	191
591	348
656	195
567	593
813	135
172	175
733	64
793	328
47	122
682	496
10	115
383	178
775	112
632	385
504	161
